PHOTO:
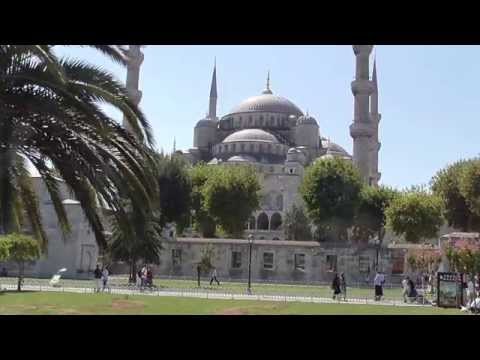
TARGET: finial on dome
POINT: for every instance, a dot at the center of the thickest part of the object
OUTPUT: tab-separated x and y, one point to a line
267	90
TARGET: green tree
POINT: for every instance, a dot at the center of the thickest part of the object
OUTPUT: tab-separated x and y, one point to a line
203	221
331	191
370	218
4	253
415	214
296	224
469	185
175	189
231	194
456	207
206	258
21	249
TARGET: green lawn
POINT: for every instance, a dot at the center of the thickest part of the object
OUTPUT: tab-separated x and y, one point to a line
231	287
99	304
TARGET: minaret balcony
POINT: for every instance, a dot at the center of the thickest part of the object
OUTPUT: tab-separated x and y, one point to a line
362	87
360	129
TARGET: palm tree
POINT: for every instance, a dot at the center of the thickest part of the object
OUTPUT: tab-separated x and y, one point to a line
50	115
143	243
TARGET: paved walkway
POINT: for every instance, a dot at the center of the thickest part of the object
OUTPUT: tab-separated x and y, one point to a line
207	295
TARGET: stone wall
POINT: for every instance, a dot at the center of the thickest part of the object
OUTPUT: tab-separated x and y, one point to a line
289	261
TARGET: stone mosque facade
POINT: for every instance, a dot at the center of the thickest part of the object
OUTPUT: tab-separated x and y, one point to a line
280	140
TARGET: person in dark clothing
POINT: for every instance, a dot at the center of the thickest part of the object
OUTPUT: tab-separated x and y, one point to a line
336	286
413	292
343	286
214	277
97	273
149	277
199	269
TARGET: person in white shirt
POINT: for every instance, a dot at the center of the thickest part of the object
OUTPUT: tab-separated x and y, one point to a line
105	278
378	283
470	291
406	289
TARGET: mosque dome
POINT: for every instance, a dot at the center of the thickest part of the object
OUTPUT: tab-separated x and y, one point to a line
256	135
267	102
306	120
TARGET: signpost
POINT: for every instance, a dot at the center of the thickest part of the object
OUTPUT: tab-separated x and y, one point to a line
449	290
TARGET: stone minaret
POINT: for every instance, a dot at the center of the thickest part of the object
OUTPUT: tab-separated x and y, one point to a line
212	107
133	76
362	128
376	117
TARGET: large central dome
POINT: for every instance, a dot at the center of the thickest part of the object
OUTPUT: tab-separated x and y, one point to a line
267	103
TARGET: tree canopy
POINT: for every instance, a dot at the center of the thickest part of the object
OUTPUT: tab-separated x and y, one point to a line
175	189
21	249
454	185
331	191
370	217
296	224
415	214
52	117
231	194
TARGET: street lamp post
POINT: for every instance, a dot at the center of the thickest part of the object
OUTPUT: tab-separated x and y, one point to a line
250	243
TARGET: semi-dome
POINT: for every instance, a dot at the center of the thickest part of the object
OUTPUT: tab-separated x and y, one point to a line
333	148
242	158
267	103
251	135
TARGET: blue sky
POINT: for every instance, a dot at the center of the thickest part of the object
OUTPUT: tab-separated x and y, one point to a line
428	95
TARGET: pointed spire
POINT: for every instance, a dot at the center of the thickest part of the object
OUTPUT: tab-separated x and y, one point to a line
267	90
213	86
374	72
174	145
212	106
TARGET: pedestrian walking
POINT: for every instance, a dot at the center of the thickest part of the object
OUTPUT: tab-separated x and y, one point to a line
105	274
97	273
138	282
406	288
336	287
144	276
149	277
214	276
378	282
470	291
343	286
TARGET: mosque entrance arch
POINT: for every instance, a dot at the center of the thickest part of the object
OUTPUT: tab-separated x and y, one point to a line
262	222
276	221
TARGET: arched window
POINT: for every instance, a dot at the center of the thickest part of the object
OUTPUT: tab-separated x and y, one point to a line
262	222
234	147
279	202
250	120
242	147
251	223
276	221
252	148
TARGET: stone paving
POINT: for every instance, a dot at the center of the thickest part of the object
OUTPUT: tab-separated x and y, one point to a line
207	295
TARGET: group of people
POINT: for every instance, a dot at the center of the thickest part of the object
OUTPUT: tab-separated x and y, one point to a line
144	277
101	278
409	292
472	291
